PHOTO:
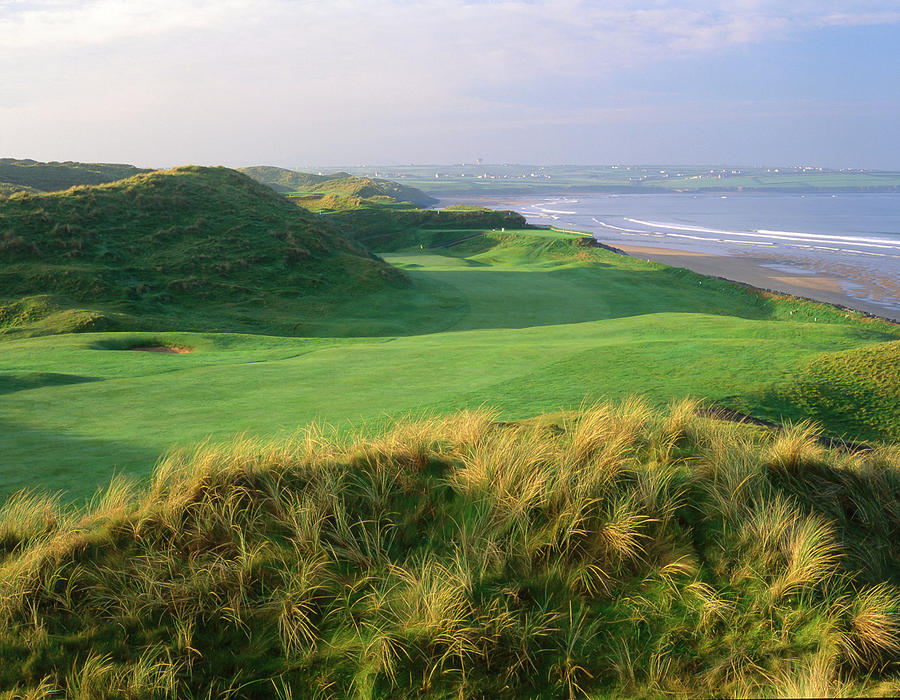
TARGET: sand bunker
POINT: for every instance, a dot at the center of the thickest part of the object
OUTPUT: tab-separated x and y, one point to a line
176	349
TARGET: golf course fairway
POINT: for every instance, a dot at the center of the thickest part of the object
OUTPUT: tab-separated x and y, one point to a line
525	322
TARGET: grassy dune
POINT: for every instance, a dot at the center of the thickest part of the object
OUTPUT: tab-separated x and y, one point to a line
839	387
33	176
613	551
336	190
187	249
527	321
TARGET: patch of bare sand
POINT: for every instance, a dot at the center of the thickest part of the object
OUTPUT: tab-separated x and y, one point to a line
825	284
646	250
846	286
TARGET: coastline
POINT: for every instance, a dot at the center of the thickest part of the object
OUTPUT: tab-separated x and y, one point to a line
853	284
752	272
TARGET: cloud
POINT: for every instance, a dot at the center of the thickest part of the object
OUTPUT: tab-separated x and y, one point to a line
332	72
490	27
60	24
860	19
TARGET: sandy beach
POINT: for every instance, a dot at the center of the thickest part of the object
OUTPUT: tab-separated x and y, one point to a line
769	273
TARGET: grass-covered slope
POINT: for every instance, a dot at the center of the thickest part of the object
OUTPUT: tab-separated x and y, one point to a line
856	391
189	248
30	175
338	190
284	180
373	188
388	229
612	552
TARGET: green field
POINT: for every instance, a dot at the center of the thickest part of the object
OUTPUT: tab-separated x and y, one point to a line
551	180
525	321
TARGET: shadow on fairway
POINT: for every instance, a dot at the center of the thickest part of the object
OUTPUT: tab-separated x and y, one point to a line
13	382
73	464
520	299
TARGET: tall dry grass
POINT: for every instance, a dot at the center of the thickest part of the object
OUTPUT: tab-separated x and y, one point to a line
611	550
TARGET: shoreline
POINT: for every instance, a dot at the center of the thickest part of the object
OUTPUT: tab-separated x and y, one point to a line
751	272
854	284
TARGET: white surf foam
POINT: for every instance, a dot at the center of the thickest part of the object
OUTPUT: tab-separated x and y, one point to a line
779	235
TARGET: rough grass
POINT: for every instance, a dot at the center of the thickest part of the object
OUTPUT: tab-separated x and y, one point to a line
33	176
856	391
614	551
189	248
341	184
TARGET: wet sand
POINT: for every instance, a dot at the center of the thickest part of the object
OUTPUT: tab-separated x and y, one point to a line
769	273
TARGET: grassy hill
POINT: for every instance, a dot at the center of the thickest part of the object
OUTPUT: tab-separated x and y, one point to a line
33	176
338	190
838	387
284	180
393	228
189	249
610	552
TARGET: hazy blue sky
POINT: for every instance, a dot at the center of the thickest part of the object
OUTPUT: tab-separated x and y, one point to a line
293	82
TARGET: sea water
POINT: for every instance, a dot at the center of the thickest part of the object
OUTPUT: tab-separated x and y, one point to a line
852	237
853	224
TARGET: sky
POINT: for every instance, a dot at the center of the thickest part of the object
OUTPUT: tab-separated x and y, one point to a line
159	83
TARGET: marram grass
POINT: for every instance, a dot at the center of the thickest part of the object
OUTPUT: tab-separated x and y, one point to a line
611	552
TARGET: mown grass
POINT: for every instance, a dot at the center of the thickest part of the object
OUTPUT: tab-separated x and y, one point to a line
612	551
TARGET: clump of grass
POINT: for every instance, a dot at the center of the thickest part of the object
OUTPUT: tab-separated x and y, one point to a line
873	626
814	678
795	447
26	516
616	551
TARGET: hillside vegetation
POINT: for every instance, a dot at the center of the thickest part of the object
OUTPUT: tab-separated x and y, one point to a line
839	387
284	180
610	552
33	176
338	190
189	248
390	229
